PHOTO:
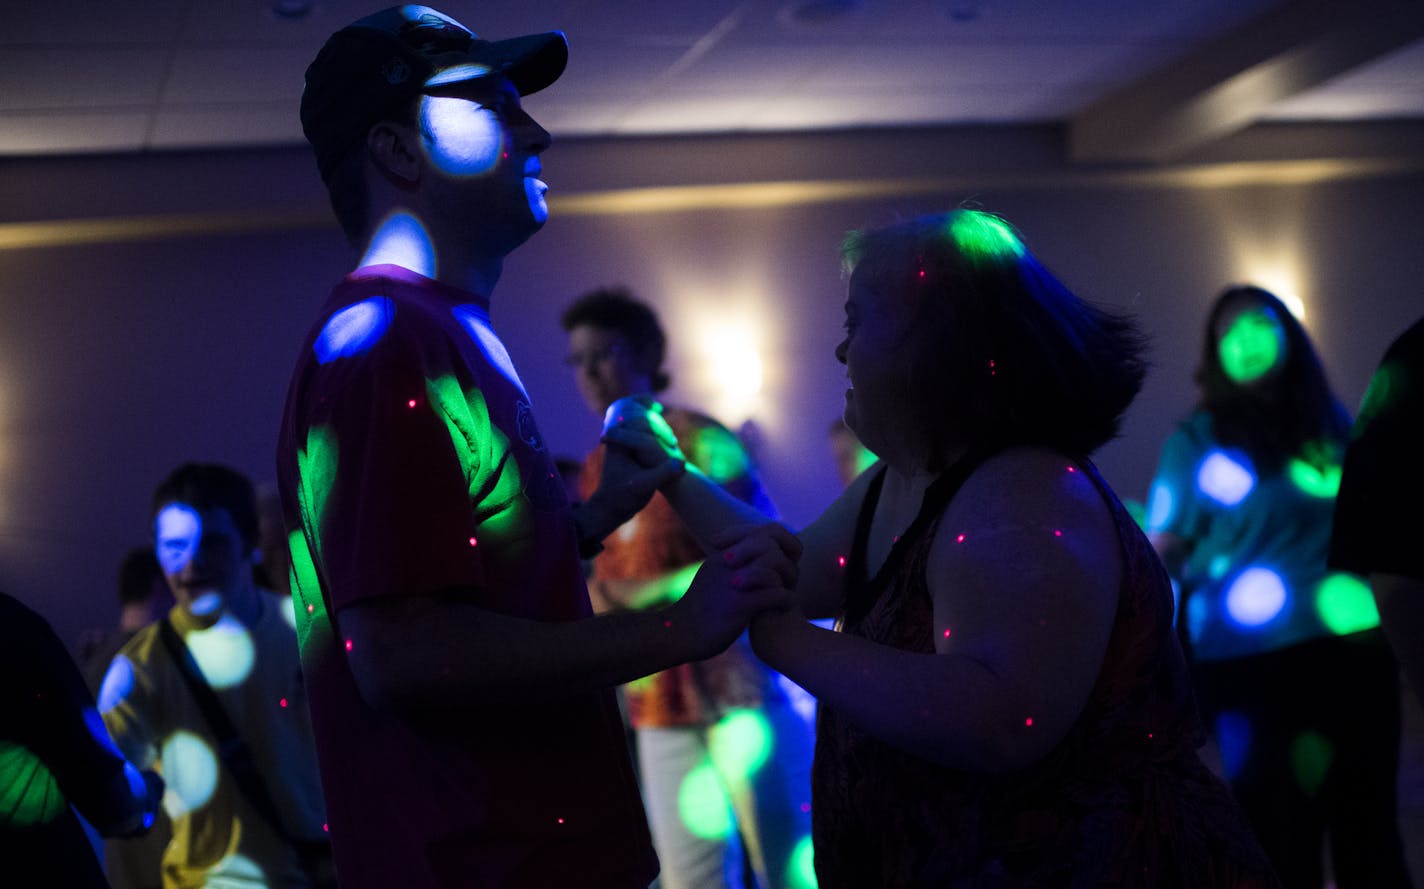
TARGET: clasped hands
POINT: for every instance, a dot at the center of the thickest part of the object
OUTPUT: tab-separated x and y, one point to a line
752	568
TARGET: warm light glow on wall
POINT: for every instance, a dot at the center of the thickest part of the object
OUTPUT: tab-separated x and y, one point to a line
724	352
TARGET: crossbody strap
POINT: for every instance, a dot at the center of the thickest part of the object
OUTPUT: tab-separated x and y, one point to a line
233	750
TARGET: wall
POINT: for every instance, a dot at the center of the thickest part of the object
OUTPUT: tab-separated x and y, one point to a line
151	306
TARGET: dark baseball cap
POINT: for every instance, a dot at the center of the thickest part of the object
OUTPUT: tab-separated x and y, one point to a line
370	69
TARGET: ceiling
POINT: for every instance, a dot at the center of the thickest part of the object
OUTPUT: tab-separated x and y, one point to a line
1134	80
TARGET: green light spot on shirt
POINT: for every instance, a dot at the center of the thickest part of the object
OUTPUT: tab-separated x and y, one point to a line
1345	604
1315	482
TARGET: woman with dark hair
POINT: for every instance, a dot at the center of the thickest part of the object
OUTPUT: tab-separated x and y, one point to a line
1003	701
1293	675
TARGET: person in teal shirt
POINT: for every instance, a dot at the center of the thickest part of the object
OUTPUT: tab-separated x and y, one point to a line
1292	673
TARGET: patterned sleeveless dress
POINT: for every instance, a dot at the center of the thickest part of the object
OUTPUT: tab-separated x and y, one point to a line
1122	801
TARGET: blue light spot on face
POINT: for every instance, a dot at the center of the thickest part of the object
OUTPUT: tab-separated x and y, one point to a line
177	531
118	682
1233	738
1255	597
1160	503
354	329
465	138
1224	480
474	320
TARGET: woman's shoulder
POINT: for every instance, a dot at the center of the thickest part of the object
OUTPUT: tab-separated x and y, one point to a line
1033	487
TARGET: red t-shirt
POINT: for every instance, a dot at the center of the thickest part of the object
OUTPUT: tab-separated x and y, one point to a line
409	465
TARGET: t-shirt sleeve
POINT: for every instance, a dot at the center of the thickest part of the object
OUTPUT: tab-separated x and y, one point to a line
59	724
1379	519
400	473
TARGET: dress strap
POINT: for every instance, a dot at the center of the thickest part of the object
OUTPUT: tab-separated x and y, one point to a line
861	592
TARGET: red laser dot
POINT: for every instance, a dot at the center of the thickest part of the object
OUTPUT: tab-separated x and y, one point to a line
1028	721
667	623
474	542
326	828
311	608
282	703
840	560
922	273
410	403
805	807
959	539
561	821
946	632
1072	469
1150	736
348	644
1057	533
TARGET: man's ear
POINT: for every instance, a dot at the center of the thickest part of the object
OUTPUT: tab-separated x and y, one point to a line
394	149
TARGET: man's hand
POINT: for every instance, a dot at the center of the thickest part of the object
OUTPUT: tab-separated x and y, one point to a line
754	570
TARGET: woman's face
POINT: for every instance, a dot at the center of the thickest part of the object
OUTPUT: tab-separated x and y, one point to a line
877	353
1250	342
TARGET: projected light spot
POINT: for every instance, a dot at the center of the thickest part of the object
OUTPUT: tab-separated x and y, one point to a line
702	804
289	611
1160	504
118	683
723	454
235	872
1255	597
476	321
459	74
740	743
1233	739
981	237
1323	483
465	137
190	773
1311	754
1252	346
402	240
1218	567
802	871
354	329
29	793
1224	480
178	528
224	652
1198	612
1345	604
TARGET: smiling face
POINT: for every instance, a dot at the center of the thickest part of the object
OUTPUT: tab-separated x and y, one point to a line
203	555
877	353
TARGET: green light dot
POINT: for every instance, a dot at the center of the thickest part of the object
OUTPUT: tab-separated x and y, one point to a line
982	237
740	743
1315	482
802	871
1251	347
1345	604
703	805
1311	754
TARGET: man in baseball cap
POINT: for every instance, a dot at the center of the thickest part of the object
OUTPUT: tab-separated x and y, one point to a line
459	685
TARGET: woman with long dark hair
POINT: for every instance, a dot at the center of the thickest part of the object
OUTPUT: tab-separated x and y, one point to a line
1293	676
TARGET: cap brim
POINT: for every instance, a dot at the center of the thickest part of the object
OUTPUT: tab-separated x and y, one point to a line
531	62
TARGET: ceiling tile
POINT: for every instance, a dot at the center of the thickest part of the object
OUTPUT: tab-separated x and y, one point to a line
90	77
72	132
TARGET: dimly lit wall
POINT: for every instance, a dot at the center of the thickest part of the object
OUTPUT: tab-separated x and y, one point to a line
151	306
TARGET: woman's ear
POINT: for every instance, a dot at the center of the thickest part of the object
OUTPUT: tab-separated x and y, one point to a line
395	150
